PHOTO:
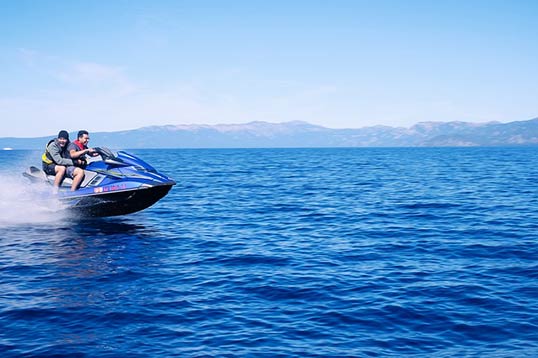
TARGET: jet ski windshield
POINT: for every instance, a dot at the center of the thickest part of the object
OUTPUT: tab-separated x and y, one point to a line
109	157
105	153
123	159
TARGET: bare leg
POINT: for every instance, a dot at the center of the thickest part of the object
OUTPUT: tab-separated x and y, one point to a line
78	176
60	173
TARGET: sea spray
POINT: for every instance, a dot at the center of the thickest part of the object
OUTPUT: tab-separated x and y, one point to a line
22	202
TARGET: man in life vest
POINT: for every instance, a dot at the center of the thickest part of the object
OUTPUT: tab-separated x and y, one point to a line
56	162
78	149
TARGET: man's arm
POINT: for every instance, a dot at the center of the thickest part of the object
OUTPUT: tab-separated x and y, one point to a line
74	153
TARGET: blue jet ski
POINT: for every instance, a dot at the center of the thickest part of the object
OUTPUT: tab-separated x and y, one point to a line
114	184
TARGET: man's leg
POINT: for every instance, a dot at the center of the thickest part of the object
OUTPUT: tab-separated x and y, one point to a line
78	176
60	173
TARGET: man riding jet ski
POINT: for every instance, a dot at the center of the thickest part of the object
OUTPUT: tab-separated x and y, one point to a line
114	184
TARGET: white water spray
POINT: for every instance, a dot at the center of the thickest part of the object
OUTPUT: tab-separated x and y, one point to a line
24	203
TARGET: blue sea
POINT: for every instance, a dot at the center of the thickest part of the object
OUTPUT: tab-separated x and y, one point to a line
381	252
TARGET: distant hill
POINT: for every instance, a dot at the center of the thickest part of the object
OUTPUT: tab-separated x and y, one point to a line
303	134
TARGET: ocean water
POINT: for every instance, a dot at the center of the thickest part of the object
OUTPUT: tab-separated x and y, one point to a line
283	253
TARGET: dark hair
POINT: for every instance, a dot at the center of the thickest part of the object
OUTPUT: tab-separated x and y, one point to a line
82	132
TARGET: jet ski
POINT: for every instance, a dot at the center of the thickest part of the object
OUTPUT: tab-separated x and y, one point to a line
114	184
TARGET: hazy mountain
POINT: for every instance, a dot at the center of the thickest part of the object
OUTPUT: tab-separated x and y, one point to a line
302	134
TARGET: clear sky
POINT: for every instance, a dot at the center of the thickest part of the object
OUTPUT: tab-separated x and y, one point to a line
107	65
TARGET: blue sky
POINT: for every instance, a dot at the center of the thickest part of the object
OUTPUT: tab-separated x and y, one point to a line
113	65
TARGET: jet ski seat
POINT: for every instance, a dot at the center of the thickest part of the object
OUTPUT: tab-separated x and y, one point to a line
36	172
66	182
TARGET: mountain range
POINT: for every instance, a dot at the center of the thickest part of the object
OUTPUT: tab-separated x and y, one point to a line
303	134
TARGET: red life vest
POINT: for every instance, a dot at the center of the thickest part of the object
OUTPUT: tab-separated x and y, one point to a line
83	156
79	145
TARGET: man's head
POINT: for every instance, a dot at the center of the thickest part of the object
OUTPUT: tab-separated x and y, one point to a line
83	137
63	137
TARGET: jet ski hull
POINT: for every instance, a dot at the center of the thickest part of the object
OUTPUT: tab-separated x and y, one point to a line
116	203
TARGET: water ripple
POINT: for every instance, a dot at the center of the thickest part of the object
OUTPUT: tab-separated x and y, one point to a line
288	253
